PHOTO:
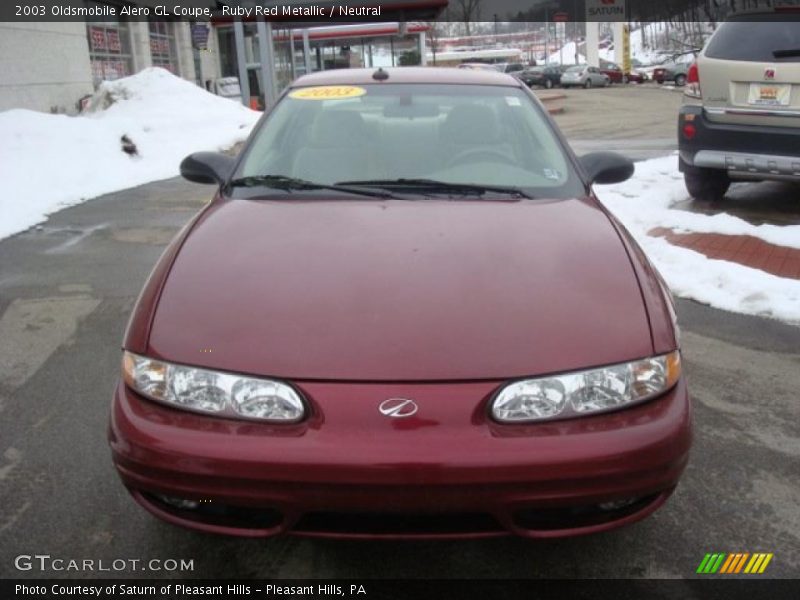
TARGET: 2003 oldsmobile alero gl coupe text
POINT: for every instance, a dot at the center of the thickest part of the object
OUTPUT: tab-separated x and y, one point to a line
404	314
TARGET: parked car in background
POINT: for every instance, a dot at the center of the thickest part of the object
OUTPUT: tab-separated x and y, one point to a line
546	77
636	76
510	68
741	107
477	66
583	76
671	72
614	72
616	75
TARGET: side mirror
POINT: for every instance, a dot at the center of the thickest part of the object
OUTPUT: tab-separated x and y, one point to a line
207	167
607	167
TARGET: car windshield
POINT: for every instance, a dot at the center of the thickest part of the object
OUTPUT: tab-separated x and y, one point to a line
468	135
575	69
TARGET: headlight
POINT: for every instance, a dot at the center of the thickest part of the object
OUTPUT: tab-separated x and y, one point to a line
587	392
211	392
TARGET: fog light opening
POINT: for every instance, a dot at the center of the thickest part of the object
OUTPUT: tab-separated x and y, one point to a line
179	503
617	504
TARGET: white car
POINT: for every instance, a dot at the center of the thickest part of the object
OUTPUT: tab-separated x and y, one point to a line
584	76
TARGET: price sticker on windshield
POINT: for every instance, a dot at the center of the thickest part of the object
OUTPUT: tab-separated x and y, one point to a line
328	92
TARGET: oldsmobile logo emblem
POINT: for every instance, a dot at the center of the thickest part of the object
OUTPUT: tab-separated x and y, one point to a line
398	408
769	74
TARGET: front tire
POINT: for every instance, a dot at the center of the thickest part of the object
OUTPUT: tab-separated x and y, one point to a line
680	80
709	185
588	84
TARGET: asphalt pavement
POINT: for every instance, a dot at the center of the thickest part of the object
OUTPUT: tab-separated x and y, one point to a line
67	288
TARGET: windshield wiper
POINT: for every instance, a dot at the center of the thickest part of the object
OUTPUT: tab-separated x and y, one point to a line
288	184
788	53
441	187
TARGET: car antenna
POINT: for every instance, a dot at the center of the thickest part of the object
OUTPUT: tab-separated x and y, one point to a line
380	75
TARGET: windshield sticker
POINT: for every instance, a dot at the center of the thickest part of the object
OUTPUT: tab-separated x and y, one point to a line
512	101
328	92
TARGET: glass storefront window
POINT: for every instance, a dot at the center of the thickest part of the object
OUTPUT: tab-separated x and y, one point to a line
109	49
162	45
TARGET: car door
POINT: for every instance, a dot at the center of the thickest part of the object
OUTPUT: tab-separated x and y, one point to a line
750	74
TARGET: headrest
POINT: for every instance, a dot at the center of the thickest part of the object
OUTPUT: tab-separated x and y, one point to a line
338	128
469	124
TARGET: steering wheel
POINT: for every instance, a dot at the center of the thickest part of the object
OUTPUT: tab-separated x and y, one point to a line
474	154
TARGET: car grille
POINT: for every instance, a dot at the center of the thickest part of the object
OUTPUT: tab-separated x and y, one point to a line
370	523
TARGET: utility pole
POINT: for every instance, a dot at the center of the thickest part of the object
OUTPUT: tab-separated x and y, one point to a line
575	29
546	36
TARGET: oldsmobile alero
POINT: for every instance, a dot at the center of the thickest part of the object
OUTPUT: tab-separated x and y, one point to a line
404	314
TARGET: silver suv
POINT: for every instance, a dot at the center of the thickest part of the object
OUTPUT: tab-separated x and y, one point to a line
741	113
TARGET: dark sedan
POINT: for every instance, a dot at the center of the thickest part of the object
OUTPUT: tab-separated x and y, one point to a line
546	77
404	314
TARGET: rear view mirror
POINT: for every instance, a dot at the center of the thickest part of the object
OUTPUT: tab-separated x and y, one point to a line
207	167
607	167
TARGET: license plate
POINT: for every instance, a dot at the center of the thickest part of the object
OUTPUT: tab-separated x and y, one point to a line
770	94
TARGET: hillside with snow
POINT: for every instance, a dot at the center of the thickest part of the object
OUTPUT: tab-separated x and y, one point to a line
651	43
52	161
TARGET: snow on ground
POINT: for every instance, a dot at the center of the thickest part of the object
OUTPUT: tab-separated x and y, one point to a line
50	161
646	202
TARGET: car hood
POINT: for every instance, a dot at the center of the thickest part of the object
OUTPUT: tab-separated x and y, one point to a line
401	290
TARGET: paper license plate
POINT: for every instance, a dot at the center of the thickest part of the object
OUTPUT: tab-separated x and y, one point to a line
770	94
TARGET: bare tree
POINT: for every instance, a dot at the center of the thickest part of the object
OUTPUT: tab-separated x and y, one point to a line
469	11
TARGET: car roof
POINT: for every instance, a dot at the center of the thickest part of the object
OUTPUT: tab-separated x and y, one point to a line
408	75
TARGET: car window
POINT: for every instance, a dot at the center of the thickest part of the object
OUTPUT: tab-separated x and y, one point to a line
472	134
756	41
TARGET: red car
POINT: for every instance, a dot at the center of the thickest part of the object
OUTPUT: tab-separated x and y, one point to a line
616	75
403	314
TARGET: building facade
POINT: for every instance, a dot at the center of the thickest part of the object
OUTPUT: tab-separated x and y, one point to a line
50	66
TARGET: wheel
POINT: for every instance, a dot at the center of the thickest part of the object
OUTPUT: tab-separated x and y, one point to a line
709	185
548	84
680	80
588	84
624	79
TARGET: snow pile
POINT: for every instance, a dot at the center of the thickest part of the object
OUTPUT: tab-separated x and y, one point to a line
645	202
567	54
49	161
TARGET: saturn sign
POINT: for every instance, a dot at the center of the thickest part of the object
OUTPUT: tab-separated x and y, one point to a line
605	10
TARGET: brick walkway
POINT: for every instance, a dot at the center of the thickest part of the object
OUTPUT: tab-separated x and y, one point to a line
743	249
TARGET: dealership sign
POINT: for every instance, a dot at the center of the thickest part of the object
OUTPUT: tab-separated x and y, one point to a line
605	10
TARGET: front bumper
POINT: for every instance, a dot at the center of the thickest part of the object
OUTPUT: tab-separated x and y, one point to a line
353	472
744	151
